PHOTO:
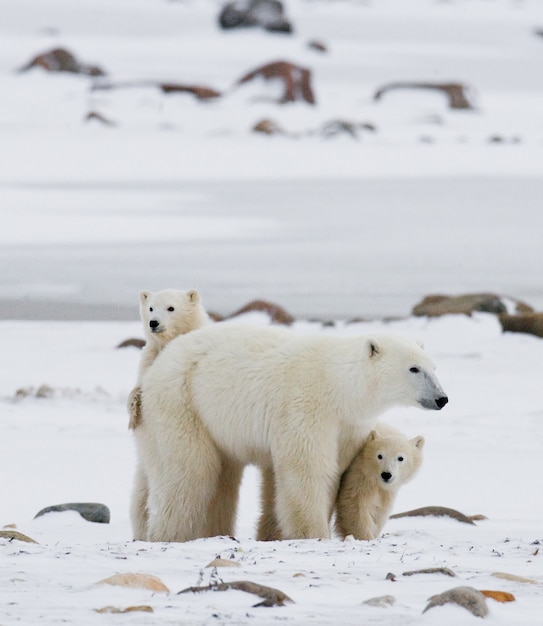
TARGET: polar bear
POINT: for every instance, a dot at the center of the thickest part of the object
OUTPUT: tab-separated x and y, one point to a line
369	486
165	314
298	406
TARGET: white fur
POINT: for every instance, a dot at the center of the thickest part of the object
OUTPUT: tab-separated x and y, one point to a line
297	406
369	486
165	315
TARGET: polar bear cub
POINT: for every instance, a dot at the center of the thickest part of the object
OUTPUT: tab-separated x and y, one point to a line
165	315
369	486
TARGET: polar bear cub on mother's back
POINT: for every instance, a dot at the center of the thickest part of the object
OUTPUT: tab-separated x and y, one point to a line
370	484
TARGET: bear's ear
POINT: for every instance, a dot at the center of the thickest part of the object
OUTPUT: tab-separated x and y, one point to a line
372	436
144	295
418	442
373	348
194	296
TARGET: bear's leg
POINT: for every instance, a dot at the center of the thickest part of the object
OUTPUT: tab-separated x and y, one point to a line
224	504
138	504
182	485
134	407
268	526
306	481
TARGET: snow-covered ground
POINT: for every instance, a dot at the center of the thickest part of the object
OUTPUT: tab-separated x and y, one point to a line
434	200
181	193
482	456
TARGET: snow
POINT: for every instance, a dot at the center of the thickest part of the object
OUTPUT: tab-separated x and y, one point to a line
330	228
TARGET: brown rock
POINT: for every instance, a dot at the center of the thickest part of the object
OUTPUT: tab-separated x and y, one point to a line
531	323
296	80
201	93
15	535
436	305
268	127
499	596
277	314
456	92
61	60
144	581
132	343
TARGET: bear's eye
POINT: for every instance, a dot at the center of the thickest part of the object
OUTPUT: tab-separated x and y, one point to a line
170	308
415	370
380	457
151	309
400	458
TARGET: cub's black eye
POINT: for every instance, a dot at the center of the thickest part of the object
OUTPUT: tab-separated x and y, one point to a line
400	458
151	309
415	370
380	457
170	308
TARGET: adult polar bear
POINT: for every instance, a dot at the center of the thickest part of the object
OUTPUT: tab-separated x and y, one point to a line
300	407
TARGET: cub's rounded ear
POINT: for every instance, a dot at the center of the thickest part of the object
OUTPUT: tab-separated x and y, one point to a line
372	436
418	442
373	348
144	295
194	296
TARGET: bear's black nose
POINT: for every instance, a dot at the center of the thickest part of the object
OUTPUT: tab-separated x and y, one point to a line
386	476
153	323
441	402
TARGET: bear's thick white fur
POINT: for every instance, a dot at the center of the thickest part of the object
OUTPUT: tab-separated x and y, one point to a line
369	486
222	397
165	315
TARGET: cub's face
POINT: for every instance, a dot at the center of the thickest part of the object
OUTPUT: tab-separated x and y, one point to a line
393	459
165	313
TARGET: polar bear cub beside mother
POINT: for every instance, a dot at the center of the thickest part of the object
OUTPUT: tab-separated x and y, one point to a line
298	406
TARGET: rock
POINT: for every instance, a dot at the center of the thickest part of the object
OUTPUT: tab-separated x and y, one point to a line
333	128
132	343
268	127
431	570
94	116
91	511
129	609
499	596
277	314
381	601
223	563
457	93
61	60
437	511
466	597
515	578
531	323
295	78
266	14
436	305
271	596
318	45
140	581
15	535
200	92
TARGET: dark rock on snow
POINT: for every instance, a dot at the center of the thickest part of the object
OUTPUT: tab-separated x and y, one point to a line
296	80
61	60
531	323
91	511
456	93
436	305
266	14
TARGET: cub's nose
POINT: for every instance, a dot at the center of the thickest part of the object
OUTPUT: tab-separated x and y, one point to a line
441	402
386	476
153	324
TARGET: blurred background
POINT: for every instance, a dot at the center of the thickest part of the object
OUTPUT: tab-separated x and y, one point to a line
340	158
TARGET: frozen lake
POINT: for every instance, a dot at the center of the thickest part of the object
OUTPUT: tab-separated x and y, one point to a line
327	249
